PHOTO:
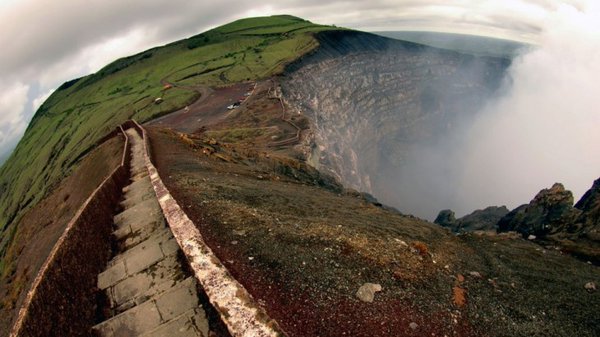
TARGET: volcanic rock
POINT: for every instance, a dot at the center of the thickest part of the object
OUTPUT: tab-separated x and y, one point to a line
551	217
366	292
551	211
446	218
589	220
590	286
480	220
395	94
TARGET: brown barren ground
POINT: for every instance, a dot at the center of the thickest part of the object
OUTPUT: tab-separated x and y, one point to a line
208	109
303	245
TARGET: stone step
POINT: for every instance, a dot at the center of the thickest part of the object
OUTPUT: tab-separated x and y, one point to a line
131	235
162	237
150	315
146	209
137	288
137	195
138	175
144	255
190	323
131	228
146	182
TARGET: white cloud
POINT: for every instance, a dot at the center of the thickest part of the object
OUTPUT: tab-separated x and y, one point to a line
92	58
13	98
37	102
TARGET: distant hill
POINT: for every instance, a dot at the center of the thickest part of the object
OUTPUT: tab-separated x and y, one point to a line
476	45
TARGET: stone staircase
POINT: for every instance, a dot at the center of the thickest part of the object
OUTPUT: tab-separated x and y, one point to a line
148	292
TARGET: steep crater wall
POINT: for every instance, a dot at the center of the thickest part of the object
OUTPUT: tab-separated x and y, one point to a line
379	106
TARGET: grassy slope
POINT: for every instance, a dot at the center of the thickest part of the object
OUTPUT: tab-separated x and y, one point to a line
82	111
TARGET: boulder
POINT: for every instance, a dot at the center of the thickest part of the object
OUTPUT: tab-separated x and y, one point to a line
446	218
588	222
366	292
483	219
480	220
551	211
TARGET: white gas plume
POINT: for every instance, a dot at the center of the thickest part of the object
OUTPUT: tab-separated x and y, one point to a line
544	128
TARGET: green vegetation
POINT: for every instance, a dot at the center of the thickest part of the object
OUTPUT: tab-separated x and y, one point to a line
82	111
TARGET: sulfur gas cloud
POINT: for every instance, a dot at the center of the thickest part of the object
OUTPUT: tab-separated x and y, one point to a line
542	127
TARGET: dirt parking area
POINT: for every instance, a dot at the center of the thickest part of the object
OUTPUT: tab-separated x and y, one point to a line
209	109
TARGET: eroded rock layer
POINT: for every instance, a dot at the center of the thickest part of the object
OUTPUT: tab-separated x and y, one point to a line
373	101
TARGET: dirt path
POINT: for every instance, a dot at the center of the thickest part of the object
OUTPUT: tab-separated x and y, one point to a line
276	93
148	292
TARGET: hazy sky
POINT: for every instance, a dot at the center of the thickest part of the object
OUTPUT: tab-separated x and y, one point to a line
47	43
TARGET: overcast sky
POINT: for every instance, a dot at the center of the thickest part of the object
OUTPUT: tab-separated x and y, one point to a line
46	43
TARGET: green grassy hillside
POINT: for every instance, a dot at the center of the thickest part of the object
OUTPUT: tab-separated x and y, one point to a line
82	111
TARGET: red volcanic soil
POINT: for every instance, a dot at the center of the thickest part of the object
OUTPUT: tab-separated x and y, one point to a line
306	268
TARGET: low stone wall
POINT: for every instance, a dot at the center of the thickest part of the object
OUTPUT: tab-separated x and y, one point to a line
62	299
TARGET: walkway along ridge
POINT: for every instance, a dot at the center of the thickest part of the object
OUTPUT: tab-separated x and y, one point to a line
237	308
147	291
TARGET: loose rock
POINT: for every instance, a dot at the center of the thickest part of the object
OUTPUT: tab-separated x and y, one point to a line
366	292
413	325
240	232
590	286
460	296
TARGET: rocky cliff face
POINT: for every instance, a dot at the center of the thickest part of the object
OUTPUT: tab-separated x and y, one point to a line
375	101
550	219
550	212
589	221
